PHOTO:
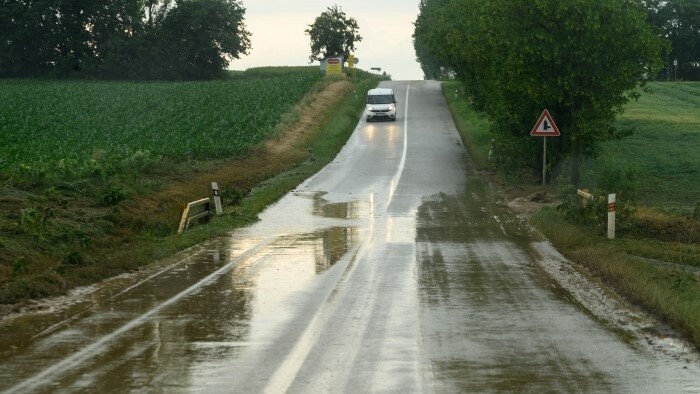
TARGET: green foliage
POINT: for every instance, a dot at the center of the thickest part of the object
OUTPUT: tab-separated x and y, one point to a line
200	36
34	221
433	22
472	126
114	195
333	33
134	39
594	213
582	60
679	22
73	257
19	266
617	177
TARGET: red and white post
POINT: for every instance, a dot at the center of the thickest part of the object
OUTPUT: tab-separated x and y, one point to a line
611	216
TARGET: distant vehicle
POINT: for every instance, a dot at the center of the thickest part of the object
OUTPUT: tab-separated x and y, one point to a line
381	104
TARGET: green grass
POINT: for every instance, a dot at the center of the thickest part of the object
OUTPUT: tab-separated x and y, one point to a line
669	293
663	155
664	151
473	126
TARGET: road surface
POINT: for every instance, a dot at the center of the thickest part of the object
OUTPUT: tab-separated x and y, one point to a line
395	269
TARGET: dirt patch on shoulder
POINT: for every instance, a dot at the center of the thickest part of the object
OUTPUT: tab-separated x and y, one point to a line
310	111
285	150
528	205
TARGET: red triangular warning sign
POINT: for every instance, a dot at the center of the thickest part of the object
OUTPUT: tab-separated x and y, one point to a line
545	126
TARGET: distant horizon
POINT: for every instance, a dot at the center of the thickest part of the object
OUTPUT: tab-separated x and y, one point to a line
278	37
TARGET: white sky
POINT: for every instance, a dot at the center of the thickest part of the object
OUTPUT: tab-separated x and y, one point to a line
386	26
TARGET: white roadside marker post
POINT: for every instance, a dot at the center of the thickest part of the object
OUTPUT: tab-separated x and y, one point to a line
611	216
216	197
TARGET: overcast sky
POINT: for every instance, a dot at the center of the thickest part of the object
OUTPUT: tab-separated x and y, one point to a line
386	26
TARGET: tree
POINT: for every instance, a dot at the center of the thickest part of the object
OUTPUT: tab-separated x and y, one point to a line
679	22
140	39
430	24
332	33
200	37
582	60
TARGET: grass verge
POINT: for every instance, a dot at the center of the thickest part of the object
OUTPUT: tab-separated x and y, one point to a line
670	293
654	263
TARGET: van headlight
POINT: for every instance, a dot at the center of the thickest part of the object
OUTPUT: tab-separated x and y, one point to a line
392	107
369	108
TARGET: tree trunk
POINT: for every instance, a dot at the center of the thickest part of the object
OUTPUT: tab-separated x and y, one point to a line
575	174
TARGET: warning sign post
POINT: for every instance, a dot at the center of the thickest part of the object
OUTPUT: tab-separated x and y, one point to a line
545	127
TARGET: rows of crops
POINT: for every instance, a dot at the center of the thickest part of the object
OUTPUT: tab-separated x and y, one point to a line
59	124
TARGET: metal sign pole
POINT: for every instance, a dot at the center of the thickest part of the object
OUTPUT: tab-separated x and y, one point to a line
544	163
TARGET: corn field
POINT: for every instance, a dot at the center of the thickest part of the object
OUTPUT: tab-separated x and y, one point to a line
70	127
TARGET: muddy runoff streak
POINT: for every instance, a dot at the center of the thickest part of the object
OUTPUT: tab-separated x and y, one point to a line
393	269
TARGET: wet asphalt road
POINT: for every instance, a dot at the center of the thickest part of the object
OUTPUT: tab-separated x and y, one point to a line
392	270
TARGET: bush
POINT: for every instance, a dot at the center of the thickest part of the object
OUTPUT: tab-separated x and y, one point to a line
594	213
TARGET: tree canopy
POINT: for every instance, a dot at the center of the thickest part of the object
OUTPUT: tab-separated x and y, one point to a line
141	39
333	33
679	22
582	60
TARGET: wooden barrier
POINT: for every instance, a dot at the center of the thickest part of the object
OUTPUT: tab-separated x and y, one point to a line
584	193
196	210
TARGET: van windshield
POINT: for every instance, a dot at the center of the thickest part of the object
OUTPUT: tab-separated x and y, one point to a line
380	99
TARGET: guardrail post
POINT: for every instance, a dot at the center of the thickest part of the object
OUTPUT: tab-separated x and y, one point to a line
215	196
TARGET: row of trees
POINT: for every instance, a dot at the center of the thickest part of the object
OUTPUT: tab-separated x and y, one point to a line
581	59
678	21
134	39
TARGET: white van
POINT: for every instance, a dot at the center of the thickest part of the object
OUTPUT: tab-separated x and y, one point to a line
381	104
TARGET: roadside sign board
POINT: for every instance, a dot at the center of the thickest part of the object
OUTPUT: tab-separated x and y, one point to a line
334	65
545	126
